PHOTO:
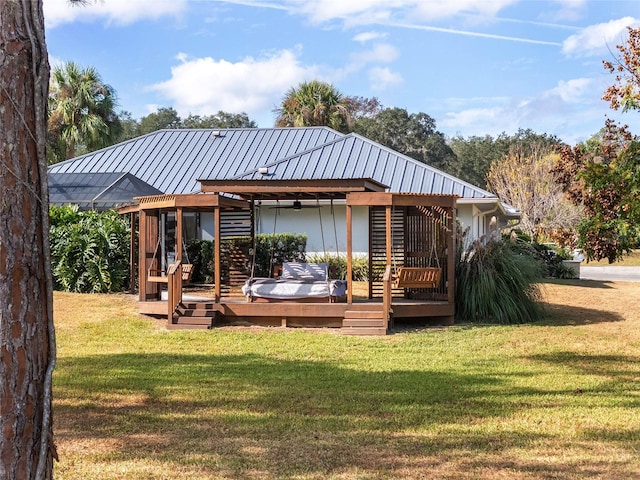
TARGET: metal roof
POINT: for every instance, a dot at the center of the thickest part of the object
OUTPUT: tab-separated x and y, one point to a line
96	190
354	156
172	161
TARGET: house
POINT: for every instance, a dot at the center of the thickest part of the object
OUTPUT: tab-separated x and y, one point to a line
362	198
174	161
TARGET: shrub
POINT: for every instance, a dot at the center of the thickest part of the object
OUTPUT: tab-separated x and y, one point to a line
496	284
200	255
338	266
89	250
274	249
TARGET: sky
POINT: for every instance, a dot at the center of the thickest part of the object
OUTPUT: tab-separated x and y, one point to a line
478	67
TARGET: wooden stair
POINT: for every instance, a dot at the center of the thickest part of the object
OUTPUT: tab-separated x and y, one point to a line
195	316
363	322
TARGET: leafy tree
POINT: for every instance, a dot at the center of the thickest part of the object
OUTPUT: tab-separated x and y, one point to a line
477	154
603	174
362	107
605	178
625	92
525	179
162	118
82	114
219	120
130	127
413	134
27	335
314	103
168	118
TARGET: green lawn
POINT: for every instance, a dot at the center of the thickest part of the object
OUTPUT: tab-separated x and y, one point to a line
555	400
631	260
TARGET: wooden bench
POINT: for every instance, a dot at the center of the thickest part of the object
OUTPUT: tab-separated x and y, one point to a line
417	277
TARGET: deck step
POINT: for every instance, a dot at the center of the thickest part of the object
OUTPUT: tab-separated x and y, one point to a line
363	314
363	322
201	306
363	331
187	326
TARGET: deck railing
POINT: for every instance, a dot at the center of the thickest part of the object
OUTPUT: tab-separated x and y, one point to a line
174	288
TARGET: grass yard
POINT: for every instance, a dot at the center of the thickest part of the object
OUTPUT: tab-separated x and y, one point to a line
631	260
553	400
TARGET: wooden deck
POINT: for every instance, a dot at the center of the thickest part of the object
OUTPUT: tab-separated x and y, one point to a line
362	317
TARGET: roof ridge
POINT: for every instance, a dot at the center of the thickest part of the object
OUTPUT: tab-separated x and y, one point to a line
292	156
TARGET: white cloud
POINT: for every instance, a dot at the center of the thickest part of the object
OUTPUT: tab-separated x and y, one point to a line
381	77
569	10
472	117
576	90
203	86
380	53
118	12
572	105
361	12
598	39
368	36
55	62
430	10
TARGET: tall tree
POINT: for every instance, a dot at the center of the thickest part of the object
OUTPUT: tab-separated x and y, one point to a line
314	103
162	118
524	179
414	135
625	92
476	154
604	176
82	114
27	340
604	173
219	120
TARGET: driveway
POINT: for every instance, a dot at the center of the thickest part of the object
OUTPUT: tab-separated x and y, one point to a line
610	274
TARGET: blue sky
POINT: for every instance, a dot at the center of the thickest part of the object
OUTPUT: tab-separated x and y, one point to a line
476	66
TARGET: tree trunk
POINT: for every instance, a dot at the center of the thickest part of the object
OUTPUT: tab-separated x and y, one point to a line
27	340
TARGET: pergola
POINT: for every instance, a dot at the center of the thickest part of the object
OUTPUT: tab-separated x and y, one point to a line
406	232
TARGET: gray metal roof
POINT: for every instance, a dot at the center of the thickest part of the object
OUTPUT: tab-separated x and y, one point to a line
172	161
98	191
354	156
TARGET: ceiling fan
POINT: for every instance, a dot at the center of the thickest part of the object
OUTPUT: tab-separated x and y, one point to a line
296	205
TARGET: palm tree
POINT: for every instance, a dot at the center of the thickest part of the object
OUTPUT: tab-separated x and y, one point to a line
81	112
314	103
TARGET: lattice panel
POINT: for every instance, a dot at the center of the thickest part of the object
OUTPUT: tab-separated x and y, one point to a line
236	243
415	233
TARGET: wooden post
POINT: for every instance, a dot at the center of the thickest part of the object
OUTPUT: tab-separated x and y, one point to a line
217	271
148	240
386	296
349	255
132	253
142	255
451	255
179	246
388	238
386	291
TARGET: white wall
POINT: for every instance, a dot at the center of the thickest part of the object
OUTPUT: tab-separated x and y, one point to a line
307	221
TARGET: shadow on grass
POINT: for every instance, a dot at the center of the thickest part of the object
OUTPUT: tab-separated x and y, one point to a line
229	415
616	373
579	283
566	315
